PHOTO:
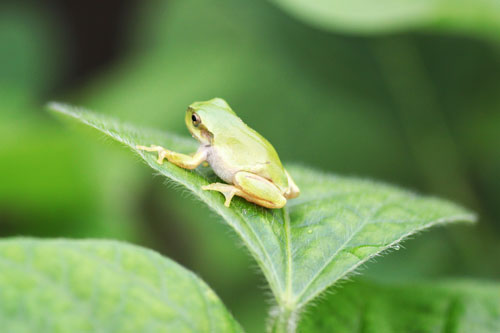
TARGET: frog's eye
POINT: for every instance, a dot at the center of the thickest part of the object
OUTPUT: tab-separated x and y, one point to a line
196	119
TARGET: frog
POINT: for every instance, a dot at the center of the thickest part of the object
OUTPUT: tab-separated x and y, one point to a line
241	157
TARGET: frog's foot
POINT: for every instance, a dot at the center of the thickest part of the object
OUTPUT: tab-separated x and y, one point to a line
162	152
229	191
181	160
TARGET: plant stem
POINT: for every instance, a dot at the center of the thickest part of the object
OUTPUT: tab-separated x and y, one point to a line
284	321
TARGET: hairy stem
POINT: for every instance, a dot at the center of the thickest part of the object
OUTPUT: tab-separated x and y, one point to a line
283	320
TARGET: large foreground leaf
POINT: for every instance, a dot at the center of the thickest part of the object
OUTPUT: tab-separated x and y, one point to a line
101	286
481	17
458	306
333	227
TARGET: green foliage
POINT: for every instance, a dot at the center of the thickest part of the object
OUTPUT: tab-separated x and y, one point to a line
419	109
451	306
28	61
46	174
102	286
477	17
333	227
397	109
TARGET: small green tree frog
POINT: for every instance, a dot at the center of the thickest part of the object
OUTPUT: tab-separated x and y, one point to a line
240	156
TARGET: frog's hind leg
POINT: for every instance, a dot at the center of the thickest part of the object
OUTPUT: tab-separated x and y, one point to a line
293	190
229	191
259	190
251	187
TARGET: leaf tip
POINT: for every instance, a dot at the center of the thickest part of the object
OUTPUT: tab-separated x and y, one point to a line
63	108
470	217
55	106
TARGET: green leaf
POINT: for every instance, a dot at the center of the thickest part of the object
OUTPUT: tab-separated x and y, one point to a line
451	306
102	286
478	17
336	224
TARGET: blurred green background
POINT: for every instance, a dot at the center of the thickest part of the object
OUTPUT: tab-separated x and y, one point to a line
407	97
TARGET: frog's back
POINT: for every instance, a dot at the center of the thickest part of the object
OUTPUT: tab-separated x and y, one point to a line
240	148
236	147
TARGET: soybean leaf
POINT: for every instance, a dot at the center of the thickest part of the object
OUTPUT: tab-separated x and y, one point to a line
448	306
337	223
476	17
102	286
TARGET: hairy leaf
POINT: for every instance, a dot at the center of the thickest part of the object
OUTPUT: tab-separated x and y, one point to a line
480	17
451	306
336	224
101	286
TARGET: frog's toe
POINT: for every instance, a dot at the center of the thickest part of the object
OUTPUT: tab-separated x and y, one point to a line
229	191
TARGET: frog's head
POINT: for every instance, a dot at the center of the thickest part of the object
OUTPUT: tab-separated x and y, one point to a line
204	119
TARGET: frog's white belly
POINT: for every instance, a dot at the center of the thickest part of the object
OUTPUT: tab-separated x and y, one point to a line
221	168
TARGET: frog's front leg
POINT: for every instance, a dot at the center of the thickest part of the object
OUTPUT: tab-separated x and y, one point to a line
181	160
